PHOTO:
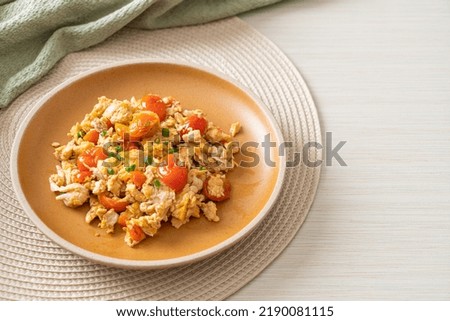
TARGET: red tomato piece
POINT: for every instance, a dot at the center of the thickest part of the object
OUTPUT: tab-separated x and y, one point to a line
138	178
90	158
155	104
84	161
194	122
136	233
117	204
172	175
108	123
98	153
82	175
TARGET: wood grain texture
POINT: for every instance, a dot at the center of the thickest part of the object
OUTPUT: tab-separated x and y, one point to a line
379	72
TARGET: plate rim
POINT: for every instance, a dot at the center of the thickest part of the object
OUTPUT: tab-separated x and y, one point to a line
144	264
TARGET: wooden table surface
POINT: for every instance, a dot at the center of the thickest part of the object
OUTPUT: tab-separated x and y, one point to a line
379	228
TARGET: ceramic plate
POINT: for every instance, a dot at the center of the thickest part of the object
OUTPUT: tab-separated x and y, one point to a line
255	188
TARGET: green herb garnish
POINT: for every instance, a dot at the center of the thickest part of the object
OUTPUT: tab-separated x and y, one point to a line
104	133
202	168
148	160
110	171
165	132
130	168
166	143
171	150
157	140
157	183
116	156
119	148
81	133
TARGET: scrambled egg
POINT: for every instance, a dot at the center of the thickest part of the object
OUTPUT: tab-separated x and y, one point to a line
141	163
216	186
73	195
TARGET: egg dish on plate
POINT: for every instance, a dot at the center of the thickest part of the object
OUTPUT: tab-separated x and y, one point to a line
142	162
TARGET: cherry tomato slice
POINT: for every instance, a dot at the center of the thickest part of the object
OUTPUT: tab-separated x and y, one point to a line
226	192
194	122
144	124
155	104
128	142
123	218
121	129
91	136
90	158
136	233
118	205
84	161
99	154
138	178
108	123
82	175
172	175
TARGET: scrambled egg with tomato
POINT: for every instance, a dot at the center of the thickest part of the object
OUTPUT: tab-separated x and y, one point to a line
140	163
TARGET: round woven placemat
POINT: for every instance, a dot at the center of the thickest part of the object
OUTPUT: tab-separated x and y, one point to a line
33	267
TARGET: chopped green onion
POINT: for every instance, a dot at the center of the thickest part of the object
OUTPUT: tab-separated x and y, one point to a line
157	183
165	132
157	140
81	133
110	171
116	156
130	168
104	133
171	150
119	148
148	160
166	143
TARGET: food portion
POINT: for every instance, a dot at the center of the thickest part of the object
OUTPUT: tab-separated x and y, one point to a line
140	163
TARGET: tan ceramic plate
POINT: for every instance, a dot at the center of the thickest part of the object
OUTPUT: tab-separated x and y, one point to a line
254	188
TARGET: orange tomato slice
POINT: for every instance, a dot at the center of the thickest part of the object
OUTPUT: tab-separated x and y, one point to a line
121	129
90	158
117	204
143	125
82	175
123	218
138	178
155	104
136	233
91	136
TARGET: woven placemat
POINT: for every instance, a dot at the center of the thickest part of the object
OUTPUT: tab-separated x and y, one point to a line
33	267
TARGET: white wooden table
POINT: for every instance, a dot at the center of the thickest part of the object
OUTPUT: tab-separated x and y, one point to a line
379	72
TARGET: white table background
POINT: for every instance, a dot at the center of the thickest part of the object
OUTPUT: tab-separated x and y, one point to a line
379	72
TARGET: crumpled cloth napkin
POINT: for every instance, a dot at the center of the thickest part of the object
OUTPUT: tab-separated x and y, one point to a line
35	34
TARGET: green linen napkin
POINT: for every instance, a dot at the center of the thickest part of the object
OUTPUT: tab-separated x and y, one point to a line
35	34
